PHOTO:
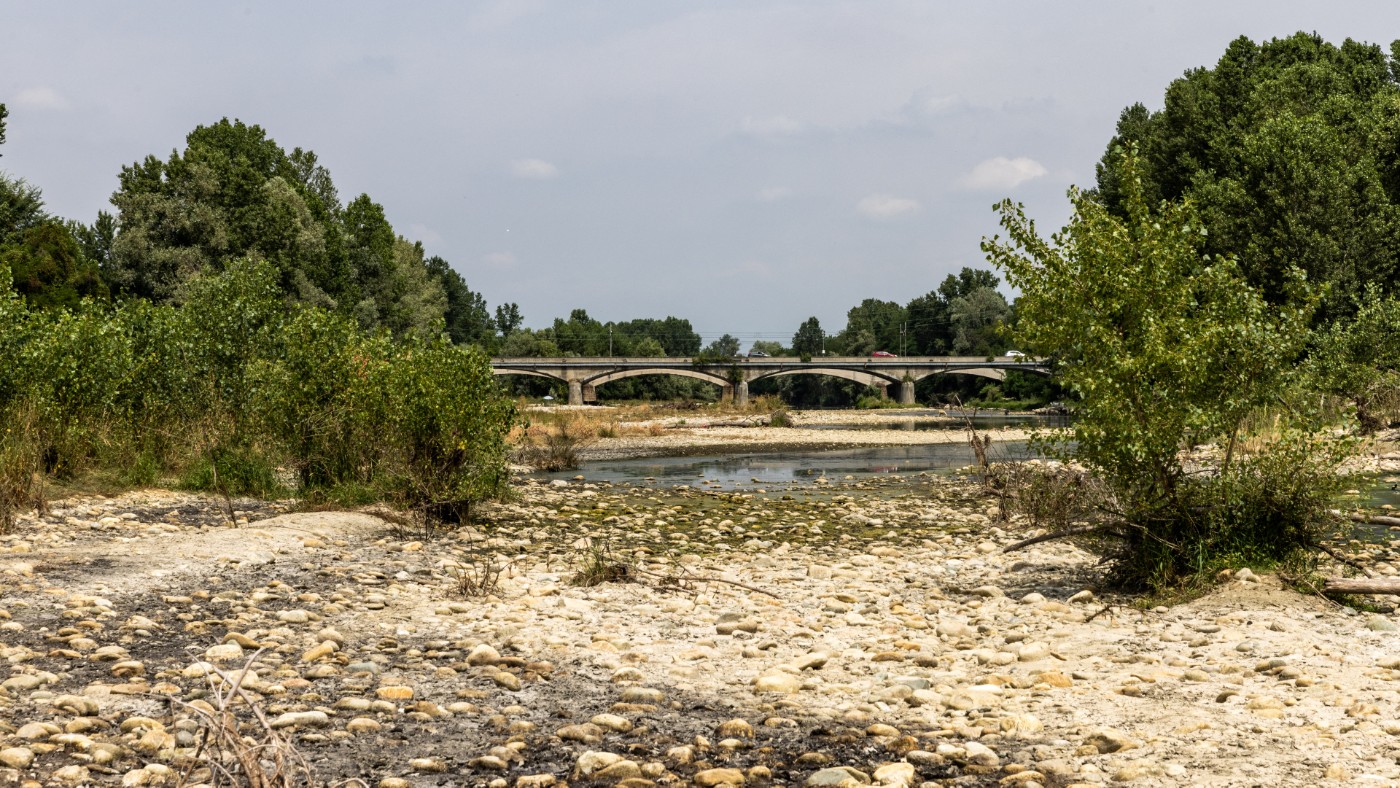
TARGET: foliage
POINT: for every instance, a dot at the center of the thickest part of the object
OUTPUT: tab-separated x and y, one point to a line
21	208
1288	150
977	319
1169	348
870	326
1359	359
234	193
224	387
49	268
725	347
809	339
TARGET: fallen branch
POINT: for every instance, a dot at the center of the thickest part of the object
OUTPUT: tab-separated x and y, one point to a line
1343	559
704	579
1083	529
1374	519
1372	585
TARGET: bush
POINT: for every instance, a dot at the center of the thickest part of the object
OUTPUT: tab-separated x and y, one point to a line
1168	349
223	389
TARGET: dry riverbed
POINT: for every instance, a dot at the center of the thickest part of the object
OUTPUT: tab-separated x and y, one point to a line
819	634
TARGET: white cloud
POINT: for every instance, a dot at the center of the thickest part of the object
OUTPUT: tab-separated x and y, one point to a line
773	193
886	206
1003	173
41	98
499	260
775	126
534	169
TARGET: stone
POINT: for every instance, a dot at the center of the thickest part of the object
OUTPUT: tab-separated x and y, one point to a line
715	777
506	680
224	652
980	754
736	729
308	719
393	692
325	649
24	682
1107	740
428	765
17	757
363	725
837	777
592	762
612	722
619	771
587	733
785	683
483	655
899	775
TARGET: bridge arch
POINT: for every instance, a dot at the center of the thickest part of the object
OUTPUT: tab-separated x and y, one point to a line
528	372
622	374
866	378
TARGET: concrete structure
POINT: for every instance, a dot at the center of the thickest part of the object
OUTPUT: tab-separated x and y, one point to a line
733	376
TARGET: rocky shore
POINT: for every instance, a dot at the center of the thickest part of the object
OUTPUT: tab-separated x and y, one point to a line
816	635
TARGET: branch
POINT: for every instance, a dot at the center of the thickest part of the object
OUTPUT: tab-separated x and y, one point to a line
703	579
1343	559
1083	529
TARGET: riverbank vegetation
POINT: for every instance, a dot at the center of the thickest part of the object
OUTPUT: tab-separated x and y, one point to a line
234	390
1229	284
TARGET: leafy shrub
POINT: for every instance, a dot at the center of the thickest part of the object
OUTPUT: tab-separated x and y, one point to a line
225	387
1169	349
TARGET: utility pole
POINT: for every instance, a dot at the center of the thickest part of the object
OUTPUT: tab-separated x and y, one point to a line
610	341
902	328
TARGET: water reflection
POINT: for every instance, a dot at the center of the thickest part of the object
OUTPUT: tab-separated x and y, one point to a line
922	421
733	471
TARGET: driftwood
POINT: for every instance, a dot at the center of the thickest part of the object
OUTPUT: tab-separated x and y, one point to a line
1374	519
1370	585
1083	529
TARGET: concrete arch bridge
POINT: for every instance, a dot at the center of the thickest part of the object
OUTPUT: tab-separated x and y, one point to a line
733	376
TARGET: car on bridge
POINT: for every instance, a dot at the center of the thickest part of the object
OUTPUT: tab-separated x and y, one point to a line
882	354
1014	354
757	354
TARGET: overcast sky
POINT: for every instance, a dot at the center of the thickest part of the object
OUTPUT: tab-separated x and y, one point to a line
742	164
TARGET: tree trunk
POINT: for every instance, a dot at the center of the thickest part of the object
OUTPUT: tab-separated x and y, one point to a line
1369	585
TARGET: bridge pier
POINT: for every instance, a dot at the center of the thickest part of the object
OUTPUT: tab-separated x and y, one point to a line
575	392
590	393
906	392
741	393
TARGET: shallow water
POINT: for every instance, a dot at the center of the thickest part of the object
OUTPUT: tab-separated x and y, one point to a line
741	471
921	421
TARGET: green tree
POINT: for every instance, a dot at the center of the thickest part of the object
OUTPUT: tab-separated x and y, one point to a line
1168	348
49	269
1288	149
508	319
977	320
1359	359
724	347
21	207
809	339
873	325
468	320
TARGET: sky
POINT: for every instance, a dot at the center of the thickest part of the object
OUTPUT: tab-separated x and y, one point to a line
745	165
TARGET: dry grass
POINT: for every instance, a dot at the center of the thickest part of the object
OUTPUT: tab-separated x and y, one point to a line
241	754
